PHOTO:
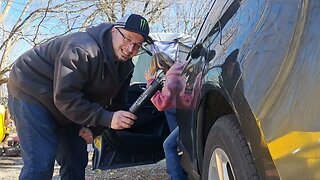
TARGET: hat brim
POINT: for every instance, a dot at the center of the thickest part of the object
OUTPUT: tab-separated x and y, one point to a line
147	38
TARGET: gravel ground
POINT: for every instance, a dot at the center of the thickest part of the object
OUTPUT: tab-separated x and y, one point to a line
10	168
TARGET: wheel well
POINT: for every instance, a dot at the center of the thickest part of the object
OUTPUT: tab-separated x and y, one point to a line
214	106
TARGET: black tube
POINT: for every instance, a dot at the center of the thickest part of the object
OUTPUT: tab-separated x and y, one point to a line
146	95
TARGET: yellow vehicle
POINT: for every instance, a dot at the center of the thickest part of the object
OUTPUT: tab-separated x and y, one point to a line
3	128
10	143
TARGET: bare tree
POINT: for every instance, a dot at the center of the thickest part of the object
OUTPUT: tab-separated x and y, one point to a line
30	22
34	22
183	16
180	16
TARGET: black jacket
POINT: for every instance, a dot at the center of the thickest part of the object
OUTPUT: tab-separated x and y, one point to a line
74	76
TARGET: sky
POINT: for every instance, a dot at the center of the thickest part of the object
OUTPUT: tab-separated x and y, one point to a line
54	25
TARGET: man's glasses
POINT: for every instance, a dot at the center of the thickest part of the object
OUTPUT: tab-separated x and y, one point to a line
127	40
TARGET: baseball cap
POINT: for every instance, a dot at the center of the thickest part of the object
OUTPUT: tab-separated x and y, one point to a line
135	23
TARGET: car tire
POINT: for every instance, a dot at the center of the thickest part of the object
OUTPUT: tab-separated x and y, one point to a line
227	155
12	151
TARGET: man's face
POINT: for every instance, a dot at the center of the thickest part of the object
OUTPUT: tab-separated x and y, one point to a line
126	44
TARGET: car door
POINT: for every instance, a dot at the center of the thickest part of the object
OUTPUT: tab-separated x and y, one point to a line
209	40
142	143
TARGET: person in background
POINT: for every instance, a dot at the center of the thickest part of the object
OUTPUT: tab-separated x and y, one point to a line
167	100
59	87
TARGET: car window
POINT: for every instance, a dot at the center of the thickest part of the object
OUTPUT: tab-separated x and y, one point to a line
176	46
142	62
217	10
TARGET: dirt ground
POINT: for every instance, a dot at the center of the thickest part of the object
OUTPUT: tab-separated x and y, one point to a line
10	168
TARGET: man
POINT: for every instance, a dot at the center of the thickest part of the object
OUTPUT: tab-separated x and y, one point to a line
61	85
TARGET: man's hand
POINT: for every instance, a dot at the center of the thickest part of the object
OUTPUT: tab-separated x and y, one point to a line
86	134
122	120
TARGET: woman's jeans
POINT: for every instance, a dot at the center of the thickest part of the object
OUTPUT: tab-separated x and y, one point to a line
43	140
174	167
171	118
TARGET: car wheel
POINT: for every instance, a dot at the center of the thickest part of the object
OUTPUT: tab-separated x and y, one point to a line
227	155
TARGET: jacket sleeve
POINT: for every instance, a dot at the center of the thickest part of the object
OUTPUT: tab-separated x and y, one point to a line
70	76
166	98
163	99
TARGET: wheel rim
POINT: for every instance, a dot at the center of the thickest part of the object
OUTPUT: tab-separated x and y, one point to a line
220	166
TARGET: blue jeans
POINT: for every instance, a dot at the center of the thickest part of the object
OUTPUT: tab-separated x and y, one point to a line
174	167
171	118
42	139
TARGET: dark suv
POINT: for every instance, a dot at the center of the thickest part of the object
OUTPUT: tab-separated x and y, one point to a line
257	112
